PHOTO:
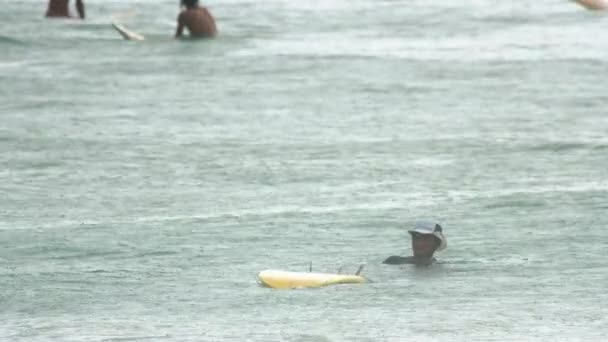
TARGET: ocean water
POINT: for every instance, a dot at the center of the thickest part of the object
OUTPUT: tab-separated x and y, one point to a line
144	184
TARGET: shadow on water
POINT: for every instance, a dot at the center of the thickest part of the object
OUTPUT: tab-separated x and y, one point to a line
10	41
307	338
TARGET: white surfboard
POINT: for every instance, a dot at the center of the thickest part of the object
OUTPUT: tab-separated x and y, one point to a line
126	33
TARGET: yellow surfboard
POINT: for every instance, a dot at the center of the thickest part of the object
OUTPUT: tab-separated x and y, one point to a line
292	280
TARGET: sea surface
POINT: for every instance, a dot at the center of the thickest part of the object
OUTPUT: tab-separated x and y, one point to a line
143	185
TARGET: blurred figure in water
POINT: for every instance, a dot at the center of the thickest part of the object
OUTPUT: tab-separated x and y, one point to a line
196	19
593	4
59	9
427	238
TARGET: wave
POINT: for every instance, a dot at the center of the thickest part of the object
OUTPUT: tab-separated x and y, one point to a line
567	146
512	196
516	203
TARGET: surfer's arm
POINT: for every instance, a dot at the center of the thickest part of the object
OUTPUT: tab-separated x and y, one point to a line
180	27
80	8
397	260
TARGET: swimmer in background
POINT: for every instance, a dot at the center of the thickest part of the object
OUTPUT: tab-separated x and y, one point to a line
59	9
196	19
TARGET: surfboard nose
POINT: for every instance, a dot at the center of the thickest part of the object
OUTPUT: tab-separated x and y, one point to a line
126	33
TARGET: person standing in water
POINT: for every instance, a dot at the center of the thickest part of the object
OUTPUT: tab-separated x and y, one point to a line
196	19
427	238
59	9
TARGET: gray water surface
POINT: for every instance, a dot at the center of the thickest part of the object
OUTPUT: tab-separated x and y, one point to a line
143	185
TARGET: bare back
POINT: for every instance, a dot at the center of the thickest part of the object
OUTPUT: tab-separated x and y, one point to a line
198	21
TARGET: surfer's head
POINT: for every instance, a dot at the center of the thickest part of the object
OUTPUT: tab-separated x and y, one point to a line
427	238
190	3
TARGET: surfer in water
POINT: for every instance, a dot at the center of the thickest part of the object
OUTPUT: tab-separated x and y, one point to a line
593	4
196	19
59	9
427	238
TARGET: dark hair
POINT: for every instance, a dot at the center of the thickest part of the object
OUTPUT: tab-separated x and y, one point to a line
189	3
